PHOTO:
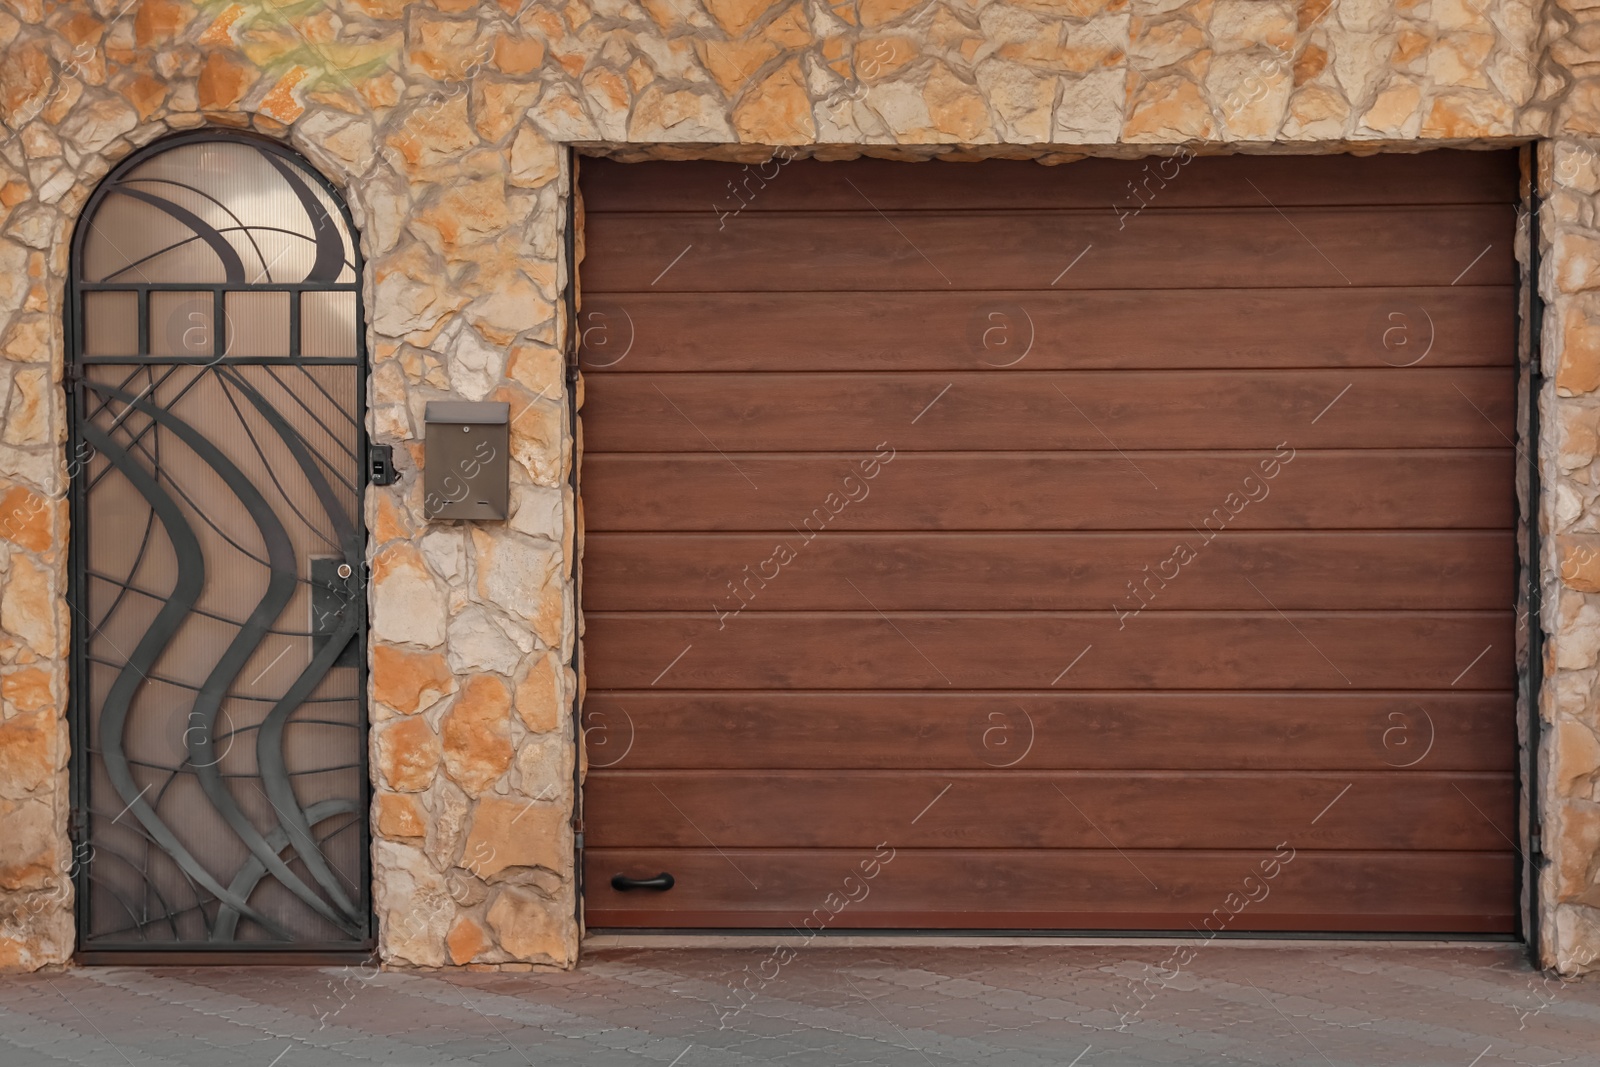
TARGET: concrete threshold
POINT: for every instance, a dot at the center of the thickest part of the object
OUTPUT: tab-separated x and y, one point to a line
764	938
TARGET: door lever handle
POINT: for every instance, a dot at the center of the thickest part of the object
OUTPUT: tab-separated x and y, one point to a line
662	881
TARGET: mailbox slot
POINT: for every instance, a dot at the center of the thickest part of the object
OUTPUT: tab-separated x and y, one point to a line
466	470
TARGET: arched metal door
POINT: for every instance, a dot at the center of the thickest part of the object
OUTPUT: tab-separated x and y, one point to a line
218	462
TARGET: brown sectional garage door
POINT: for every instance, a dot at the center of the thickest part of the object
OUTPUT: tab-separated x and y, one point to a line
968	547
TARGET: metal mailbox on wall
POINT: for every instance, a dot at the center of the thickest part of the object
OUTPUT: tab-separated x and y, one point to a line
466	469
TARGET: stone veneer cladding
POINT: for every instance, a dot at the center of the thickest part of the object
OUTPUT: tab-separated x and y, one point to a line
445	125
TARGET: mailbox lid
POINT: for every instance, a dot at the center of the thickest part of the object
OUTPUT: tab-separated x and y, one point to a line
474	412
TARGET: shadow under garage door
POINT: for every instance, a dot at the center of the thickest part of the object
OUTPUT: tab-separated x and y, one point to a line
1115	545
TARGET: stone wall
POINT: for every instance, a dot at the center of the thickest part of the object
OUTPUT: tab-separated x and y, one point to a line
446	126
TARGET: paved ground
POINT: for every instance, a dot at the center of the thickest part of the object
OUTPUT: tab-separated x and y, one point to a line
1332	1004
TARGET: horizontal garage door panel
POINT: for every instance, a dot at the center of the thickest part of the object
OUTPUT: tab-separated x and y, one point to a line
1373	892
1026	809
1157	650
1236	181
1020	411
1047	571
1051	329
1080	556
1227	730
1087	491
1222	248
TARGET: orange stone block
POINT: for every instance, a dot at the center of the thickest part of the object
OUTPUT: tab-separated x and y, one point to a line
280	103
223	82
1580	561
465	941
517	55
27	750
402	680
83	28
408	754
221	29
777	111
27	690
159	20
477	733
398	816
26	519
146	94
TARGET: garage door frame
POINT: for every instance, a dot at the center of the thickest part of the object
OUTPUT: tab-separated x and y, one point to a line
1530	638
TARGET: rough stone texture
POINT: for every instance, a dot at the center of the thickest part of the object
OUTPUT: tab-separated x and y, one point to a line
445	127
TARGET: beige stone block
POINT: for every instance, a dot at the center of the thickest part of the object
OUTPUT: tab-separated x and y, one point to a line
92	126
1167	110
408	753
1023	100
515	305
1579	112
499	106
408	606
955	108
413	902
1458	59
1091	108
409	681
1578	436
477	733
1576	260
531	928
30	843
1238	25
1394	113
1315	112
508	832
1578	370
1577	642
480	643
535	160
1467	115
668	114
537	436
465	212
28	415
1576	849
30	340
445	49
1162	42
1251	91
435	130
512	569
1577	760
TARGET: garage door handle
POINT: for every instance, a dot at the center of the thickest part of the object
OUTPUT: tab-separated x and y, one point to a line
662	881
